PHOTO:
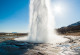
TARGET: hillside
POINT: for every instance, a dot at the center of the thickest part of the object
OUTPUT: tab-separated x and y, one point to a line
75	24
73	29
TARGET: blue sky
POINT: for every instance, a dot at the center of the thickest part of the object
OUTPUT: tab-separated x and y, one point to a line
69	14
14	14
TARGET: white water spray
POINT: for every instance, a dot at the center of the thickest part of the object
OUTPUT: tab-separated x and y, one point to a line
42	23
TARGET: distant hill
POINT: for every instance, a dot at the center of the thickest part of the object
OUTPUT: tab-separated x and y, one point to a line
75	24
73	28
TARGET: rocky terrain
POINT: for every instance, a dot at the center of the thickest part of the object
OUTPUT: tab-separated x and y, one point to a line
12	47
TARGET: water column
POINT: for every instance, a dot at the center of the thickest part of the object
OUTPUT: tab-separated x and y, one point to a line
42	23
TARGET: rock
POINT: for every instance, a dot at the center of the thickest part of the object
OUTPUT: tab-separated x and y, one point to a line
39	53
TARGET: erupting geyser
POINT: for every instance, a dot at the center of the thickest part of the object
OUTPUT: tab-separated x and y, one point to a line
42	23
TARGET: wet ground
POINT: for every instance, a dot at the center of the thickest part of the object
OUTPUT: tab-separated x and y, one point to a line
12	47
4	38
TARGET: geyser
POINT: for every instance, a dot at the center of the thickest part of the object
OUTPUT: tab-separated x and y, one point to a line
42	23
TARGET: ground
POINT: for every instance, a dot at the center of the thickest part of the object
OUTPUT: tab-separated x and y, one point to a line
12	47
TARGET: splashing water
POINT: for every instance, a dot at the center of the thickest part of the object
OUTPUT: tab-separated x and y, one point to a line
42	23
